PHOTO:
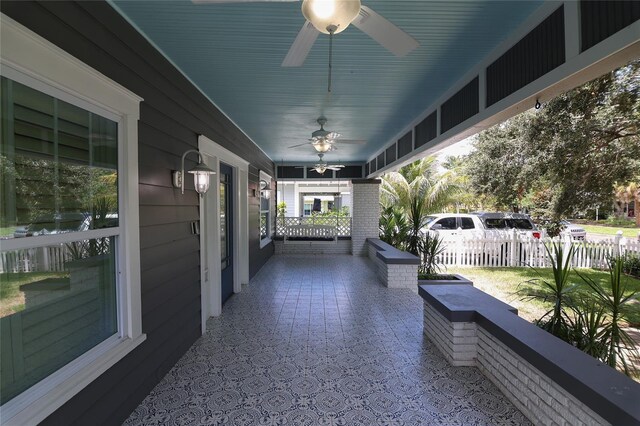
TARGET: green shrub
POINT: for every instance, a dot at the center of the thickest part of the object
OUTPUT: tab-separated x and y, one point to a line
615	300
558	292
621	222
631	265
429	248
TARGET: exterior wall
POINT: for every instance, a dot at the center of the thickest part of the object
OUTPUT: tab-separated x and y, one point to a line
531	391
457	341
290	193
538	397
312	247
394	275
172	116
365	214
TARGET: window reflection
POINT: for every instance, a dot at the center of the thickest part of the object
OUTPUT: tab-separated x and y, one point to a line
59	166
58	302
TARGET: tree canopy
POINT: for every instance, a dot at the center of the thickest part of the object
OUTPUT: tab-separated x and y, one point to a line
568	156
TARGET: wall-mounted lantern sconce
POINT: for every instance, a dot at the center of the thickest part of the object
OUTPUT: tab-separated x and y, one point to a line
264	189
200	174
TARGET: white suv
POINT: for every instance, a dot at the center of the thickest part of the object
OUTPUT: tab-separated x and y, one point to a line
480	225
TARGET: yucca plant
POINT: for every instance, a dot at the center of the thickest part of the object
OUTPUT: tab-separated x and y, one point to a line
430	247
587	326
558	291
617	300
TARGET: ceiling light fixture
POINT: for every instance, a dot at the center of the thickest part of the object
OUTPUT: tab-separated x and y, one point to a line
323	145
330	17
330	13
200	172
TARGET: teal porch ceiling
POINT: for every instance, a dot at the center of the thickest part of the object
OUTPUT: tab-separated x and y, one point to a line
233	53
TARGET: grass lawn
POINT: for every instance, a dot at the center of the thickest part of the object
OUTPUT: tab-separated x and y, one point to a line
502	283
5	232
611	230
11	298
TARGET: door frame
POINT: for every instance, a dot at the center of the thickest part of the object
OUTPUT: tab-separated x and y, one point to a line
210	271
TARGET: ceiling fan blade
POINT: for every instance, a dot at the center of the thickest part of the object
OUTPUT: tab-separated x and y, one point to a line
350	141
301	46
384	32
299	145
236	1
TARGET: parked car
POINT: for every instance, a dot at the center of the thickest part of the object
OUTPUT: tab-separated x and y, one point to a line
575	232
63	222
494	229
480	225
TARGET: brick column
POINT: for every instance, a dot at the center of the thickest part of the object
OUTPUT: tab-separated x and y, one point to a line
365	214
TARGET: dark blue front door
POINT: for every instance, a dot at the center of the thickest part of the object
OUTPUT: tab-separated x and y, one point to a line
226	230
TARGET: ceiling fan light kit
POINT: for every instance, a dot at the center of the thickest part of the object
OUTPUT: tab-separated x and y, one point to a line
330	16
323	146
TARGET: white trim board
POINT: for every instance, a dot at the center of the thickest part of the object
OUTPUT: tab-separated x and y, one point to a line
210	284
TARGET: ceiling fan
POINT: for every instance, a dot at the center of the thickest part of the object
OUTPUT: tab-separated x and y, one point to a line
334	16
324	140
322	165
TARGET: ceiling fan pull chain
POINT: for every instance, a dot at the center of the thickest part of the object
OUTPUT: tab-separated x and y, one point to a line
331	30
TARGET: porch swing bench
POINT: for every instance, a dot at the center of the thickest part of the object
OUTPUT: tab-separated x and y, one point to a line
306	233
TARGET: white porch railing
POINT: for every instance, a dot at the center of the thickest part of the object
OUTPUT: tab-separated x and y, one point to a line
342	224
515	250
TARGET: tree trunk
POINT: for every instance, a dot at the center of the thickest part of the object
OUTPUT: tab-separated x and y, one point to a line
636	207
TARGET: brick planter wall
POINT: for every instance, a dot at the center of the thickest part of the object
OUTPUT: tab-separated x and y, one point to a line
395	268
550	381
536	395
457	341
313	247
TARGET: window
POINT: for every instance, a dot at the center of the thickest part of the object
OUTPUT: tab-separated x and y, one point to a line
307	208
69	259
447	223
265	209
467	223
59	187
519	223
495	223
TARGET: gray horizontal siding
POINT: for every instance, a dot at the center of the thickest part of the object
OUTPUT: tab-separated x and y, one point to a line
172	116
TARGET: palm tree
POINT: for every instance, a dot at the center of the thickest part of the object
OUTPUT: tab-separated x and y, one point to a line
418	190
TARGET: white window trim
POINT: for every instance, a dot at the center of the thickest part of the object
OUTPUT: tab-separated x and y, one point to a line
210	228
29	59
267	240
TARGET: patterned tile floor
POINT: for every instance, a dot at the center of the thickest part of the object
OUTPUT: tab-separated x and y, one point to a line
318	340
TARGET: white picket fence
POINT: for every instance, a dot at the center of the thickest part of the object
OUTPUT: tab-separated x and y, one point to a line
38	259
516	250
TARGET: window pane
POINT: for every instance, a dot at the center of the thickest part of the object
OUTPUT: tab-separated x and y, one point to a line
467	223
58	164
447	223
264	220
264	203
519	223
495	223
58	302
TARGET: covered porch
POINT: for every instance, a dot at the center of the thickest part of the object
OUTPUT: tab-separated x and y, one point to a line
305	343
